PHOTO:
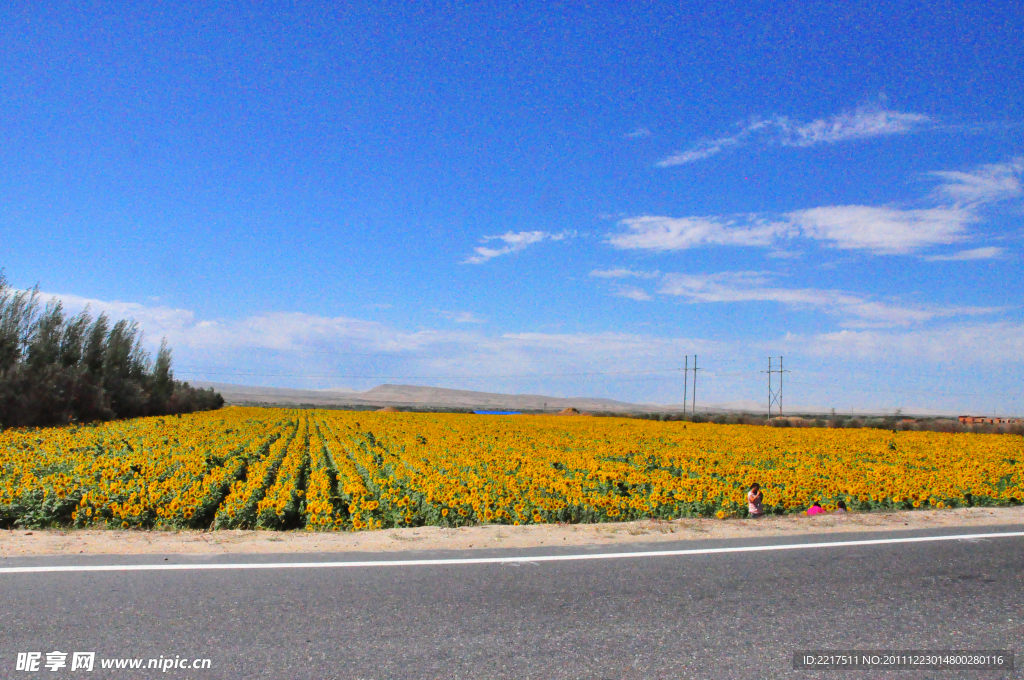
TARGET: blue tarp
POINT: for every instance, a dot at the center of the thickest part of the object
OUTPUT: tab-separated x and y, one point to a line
497	413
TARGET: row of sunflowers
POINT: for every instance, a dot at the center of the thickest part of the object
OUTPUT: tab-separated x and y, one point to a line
337	470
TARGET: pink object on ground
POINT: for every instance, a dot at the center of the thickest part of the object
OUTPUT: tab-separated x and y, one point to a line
815	510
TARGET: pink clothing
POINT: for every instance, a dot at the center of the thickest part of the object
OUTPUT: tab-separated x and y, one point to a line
754	503
815	510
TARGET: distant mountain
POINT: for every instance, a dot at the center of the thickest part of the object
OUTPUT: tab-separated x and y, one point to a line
431	396
417	396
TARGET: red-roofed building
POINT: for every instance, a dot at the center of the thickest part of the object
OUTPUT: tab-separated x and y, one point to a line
985	420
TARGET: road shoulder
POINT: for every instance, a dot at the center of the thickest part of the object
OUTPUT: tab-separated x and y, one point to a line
26	543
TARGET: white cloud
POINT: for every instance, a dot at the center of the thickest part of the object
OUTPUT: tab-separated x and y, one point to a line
711	147
879	230
320	352
608	344
638	133
883	230
515	241
968	343
462	317
989	253
503	353
778	254
887	231
275	330
622	273
862	123
985	184
654	232
633	293
294	348
698	153
731	287
159	319
628	292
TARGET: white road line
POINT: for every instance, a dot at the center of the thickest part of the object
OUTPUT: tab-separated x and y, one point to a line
500	560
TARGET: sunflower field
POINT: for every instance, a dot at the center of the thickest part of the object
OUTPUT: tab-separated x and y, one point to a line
335	470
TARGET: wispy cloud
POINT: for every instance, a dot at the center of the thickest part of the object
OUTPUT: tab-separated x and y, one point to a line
883	230
622	291
654	232
638	133
514	242
633	293
623	273
861	123
698	153
274	330
158	319
887	231
985	184
997	341
989	253
880	230
311	351
297	349
785	254
462	317
747	286
851	227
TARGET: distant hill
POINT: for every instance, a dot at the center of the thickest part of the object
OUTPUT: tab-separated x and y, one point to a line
417	396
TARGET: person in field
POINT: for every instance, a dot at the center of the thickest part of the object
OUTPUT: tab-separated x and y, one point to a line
841	508
815	509
755	501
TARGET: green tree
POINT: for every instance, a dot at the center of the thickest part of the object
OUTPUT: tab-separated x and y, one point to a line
57	369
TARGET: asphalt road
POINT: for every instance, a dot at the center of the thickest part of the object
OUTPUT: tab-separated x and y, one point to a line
738	615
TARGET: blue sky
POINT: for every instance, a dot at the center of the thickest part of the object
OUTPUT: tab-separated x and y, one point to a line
541	197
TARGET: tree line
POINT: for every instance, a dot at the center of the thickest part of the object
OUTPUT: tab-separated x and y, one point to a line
57	368
895	422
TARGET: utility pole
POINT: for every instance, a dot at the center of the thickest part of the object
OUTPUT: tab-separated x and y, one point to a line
694	384
686	383
775	395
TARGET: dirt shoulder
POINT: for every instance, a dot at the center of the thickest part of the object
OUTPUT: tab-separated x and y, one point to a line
21	543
